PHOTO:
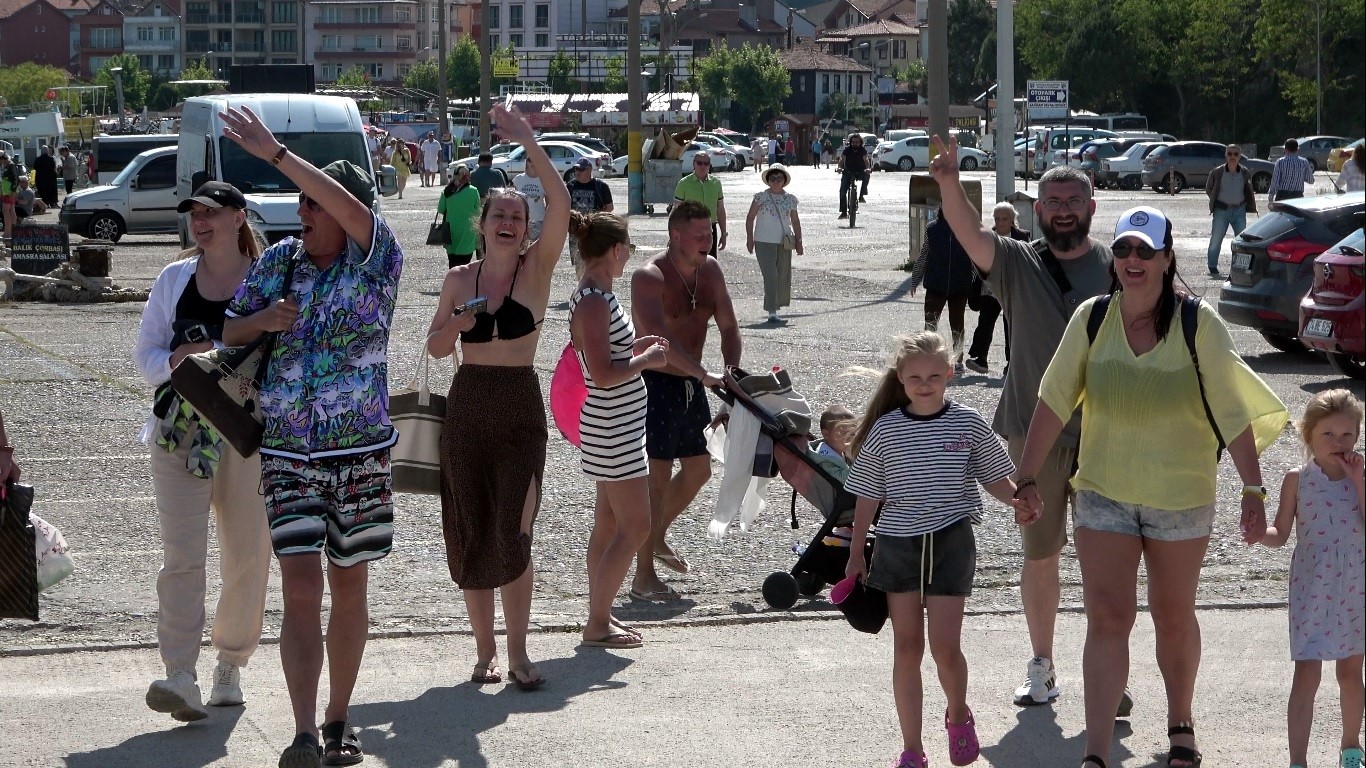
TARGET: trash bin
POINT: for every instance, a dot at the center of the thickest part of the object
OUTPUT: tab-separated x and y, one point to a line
925	201
1024	212
661	178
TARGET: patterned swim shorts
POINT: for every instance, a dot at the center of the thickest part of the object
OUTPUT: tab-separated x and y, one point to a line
342	505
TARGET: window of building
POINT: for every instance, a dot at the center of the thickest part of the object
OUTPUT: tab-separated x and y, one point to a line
105	38
367	14
515	40
145	61
369	42
515	16
144	34
403	14
422	12
495	11
97	63
801	83
404	42
825	83
166	62
375	69
283	12
196	13
166	34
331	14
404	70
858	85
331	43
898	49
283	41
542	15
837	83
542	40
331	71
422	40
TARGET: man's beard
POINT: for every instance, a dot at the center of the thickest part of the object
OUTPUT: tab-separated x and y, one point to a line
1069	240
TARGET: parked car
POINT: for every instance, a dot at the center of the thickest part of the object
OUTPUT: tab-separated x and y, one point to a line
1273	263
735	161
141	199
1055	138
1024	156
914	152
1338	157
1315	149
742	152
1125	170
1193	160
472	162
1333	314
592	142
563	154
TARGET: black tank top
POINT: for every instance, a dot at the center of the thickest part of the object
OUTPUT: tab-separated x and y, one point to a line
192	307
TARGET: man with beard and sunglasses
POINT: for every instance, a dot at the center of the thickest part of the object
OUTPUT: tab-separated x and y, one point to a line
1039	286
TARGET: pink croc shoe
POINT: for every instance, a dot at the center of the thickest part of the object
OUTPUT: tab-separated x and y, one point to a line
910	759
963	746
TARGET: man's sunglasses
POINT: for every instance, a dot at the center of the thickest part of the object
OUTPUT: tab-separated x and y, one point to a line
1125	250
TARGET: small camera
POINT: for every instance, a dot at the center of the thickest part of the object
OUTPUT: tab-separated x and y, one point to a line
476	305
196	334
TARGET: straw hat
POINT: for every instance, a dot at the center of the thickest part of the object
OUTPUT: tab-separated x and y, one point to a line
778	168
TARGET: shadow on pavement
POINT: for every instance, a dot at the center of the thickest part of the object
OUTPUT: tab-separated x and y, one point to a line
1038	740
189	745
445	724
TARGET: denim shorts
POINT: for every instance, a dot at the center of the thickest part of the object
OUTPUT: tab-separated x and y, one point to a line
1094	511
942	562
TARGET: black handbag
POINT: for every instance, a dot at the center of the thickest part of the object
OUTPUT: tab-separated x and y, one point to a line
18	566
223	386
440	232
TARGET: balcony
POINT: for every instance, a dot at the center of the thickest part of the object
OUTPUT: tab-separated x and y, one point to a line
249	18
201	47
381	24
208	18
367	52
251	47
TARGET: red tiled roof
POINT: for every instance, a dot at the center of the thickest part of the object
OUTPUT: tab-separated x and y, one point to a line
10	7
877	29
806	58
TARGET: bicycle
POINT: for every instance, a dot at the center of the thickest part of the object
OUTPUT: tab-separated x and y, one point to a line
851	202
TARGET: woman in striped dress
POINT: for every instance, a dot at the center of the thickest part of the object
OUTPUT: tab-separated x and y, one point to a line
612	422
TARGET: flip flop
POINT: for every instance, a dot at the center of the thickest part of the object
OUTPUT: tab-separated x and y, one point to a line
655	596
624	627
622	640
673	562
341	745
486	673
521	677
303	753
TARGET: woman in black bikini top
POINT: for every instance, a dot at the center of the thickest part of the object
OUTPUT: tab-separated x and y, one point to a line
512	320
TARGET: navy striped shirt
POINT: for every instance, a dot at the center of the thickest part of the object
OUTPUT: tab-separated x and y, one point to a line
927	468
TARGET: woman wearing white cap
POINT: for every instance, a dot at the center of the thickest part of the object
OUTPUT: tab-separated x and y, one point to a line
1129	360
194	471
772	231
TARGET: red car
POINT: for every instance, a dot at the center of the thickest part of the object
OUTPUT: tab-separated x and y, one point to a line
1333	314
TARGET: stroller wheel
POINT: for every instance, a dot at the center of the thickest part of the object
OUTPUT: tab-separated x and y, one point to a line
780	590
809	584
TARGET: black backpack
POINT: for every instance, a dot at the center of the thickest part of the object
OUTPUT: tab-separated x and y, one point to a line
1190	313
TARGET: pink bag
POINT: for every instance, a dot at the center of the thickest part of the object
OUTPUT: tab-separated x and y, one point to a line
568	391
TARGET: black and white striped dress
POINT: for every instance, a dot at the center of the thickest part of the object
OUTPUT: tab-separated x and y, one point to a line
612	421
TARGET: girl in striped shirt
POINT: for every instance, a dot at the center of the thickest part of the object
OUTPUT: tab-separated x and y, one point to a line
921	457
612	420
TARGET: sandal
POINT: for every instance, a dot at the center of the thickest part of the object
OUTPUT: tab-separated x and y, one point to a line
341	745
521	677
1191	756
303	753
963	745
1092	759
486	673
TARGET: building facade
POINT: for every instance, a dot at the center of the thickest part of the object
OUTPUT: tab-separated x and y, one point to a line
225	32
37	31
385	38
152	33
815	75
99	34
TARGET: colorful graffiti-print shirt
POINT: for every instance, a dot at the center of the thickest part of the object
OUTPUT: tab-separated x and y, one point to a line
326	393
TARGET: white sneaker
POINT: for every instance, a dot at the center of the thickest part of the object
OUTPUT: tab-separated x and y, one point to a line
178	695
1040	685
227	686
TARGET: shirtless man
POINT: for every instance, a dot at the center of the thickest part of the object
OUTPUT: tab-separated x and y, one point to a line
676	295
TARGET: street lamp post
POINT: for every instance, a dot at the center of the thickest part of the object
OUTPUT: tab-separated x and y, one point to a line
117	72
445	120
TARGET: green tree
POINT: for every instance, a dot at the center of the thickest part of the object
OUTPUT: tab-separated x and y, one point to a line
136	80
711	78
423	76
1284	37
27	83
463	70
614	79
759	82
844	107
914	73
560	72
970	21
357	78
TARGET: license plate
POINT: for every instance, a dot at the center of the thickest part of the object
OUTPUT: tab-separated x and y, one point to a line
1319	326
1242	260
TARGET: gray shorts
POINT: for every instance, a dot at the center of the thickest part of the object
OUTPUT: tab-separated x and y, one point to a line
1094	511
899	562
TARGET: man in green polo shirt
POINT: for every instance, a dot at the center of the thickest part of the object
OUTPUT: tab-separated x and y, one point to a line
699	186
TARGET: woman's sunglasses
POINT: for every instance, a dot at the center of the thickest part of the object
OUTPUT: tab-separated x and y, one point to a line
1125	250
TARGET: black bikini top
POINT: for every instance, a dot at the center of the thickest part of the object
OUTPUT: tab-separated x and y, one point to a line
512	320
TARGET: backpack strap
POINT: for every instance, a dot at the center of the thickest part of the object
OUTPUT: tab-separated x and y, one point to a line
1190	314
1054	267
1097	317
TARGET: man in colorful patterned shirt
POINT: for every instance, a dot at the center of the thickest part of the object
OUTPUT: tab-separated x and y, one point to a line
325	452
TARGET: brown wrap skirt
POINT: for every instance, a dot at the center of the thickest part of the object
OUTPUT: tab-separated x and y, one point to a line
492	452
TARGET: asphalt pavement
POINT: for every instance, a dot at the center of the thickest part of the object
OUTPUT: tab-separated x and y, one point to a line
723	679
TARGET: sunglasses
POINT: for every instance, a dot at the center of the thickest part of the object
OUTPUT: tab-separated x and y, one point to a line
1125	250
309	202
1232	154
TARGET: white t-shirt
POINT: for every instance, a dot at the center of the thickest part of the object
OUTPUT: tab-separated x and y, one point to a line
431	153
775	216
927	468
535	195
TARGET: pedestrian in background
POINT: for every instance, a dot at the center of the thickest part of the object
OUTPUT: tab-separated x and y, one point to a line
194	472
9	193
947	273
325	452
1147	468
485	177
702	187
399	157
1290	174
459	203
816	153
758	152
530	185
45	176
71	168
612	420
1323	500
1229	188
1353	175
772	231
983	300
430	150
586	195
919	457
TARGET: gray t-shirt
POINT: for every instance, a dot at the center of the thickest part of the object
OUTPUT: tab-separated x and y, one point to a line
1231	189
1037	312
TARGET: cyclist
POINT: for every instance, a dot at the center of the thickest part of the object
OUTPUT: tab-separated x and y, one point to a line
853	165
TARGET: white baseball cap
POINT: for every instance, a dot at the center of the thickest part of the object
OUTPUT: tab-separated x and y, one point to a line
1147	224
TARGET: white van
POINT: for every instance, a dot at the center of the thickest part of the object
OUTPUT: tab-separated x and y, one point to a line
113	153
140	200
319	129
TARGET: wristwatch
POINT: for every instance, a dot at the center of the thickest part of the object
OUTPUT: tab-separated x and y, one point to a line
279	155
1255	490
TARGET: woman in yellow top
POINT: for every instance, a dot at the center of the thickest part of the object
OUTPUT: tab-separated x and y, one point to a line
398	157
1142	410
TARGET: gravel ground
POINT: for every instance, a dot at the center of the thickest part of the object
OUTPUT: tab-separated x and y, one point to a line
74	403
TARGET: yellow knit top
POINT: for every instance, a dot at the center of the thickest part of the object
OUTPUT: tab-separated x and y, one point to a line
1145	438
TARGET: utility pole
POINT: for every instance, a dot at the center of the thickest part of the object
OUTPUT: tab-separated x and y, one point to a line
938	72
445	121
635	185
485	76
1005	100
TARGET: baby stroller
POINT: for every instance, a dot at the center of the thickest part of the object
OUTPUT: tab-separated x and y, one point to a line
827	554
